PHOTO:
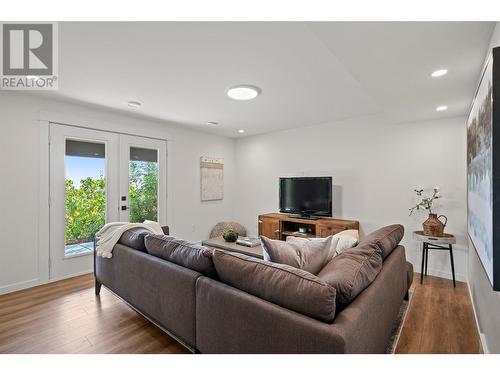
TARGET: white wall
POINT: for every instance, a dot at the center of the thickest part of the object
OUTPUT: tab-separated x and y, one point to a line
19	178
375	167
486	301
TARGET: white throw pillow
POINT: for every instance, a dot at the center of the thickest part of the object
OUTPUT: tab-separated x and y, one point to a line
333	246
301	253
347	239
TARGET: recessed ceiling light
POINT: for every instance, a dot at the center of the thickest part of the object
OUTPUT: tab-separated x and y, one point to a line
134	104
442	108
243	92
212	123
439	73
241	131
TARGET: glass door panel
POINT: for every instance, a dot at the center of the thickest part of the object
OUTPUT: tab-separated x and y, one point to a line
143	179
143	184
85	182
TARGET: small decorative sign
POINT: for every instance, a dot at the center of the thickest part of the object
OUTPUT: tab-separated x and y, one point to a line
212	178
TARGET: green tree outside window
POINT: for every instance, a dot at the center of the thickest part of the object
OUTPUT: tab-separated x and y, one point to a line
86	204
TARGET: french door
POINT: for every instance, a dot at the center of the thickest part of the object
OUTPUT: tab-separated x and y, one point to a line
98	177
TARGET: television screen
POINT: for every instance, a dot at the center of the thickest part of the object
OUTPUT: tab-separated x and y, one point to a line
306	195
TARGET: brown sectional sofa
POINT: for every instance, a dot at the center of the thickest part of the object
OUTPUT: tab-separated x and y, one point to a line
209	316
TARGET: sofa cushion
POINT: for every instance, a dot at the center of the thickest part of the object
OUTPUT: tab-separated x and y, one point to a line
310	256
183	253
286	286
134	238
387	238
352	271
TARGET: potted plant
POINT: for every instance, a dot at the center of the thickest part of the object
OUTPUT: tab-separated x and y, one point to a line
230	235
432	226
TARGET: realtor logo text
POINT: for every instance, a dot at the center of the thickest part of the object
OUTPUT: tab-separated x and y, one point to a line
29	56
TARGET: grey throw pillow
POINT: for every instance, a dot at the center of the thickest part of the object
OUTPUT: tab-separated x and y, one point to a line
310	256
286	286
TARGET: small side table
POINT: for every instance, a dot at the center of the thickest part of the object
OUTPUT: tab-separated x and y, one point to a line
435	243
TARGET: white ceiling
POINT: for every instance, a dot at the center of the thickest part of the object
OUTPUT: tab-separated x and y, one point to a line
309	73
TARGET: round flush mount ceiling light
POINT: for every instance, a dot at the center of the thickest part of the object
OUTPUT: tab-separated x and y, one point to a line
134	104
439	73
243	92
442	108
212	123
241	131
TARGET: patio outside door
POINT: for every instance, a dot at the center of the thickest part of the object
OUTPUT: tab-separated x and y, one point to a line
98	177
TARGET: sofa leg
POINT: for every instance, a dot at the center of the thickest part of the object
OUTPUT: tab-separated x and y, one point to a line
407	296
97	287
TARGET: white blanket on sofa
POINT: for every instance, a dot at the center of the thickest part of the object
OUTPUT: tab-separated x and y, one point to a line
109	234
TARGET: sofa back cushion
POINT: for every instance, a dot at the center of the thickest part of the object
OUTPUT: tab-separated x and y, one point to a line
283	285
352	271
183	253
134	238
307	255
387	238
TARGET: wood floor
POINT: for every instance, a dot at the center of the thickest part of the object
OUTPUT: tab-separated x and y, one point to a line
440	319
66	317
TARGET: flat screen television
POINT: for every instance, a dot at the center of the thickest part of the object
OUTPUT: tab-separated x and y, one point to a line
306	196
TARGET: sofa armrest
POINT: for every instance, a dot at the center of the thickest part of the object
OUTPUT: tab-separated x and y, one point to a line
229	320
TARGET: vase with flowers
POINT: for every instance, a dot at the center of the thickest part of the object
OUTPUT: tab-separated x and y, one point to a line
432	226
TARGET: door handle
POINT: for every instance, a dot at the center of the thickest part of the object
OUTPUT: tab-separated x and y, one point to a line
124	208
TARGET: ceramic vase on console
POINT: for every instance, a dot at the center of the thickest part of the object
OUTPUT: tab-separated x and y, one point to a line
433	226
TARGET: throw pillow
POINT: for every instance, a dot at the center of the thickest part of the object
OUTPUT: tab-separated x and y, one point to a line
310	256
347	239
286	286
301	240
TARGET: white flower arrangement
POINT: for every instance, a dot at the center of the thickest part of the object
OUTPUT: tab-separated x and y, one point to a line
426	201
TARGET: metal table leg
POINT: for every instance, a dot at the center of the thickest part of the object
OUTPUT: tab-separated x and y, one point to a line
422	268
452	265
426	257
